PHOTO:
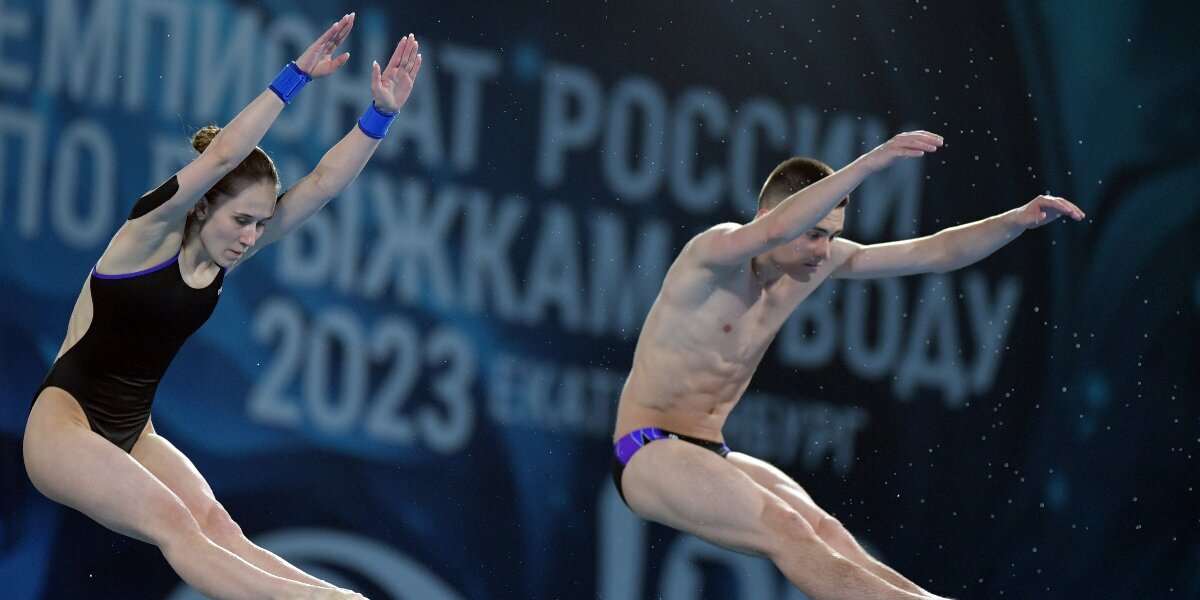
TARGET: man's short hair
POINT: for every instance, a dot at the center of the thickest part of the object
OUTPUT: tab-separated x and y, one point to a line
791	176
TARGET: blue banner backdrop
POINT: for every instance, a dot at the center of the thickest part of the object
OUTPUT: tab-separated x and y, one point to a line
414	394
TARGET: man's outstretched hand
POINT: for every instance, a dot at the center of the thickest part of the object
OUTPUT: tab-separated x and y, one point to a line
1045	209
911	144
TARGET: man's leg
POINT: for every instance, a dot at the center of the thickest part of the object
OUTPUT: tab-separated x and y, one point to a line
696	491
71	465
171	467
828	528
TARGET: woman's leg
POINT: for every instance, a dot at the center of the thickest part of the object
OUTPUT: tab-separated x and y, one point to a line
178	473
73	466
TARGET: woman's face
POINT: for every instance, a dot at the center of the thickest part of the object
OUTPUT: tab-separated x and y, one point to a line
231	227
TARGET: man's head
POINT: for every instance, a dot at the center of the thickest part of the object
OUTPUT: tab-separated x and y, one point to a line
791	176
803	256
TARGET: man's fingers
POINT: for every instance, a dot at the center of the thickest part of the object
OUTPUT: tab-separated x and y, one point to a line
918	140
1073	210
1070	209
917	146
924	136
1062	206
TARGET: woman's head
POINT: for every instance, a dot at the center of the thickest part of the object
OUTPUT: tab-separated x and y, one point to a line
232	214
254	168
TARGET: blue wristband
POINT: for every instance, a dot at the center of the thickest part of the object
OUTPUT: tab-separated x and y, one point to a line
289	81
374	122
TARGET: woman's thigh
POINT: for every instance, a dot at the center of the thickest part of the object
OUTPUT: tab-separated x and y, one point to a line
177	472
72	465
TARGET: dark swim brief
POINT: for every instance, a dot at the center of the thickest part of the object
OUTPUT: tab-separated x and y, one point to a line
630	443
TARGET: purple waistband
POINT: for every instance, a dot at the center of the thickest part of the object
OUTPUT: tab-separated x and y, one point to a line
634	440
628	444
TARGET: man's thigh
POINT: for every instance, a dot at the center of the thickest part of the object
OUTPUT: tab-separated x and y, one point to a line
695	490
780	484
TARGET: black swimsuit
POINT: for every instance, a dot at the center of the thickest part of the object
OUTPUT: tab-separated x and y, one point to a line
628	445
139	322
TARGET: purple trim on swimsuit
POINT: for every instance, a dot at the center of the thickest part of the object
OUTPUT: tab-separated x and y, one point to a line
142	272
634	440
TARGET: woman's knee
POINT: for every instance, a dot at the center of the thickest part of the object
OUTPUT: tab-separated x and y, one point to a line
161	521
217	524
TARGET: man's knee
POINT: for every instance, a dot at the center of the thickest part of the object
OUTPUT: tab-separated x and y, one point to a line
789	526
832	531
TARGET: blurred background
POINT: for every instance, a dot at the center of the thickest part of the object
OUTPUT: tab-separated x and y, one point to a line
414	394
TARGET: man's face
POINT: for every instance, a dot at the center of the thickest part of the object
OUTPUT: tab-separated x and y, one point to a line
801	257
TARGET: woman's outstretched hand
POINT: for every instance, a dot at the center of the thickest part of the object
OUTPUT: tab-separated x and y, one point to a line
392	84
318	60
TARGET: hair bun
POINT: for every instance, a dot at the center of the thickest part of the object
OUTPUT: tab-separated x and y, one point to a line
204	136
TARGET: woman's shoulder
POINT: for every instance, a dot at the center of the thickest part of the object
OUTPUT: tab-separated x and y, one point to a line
155	198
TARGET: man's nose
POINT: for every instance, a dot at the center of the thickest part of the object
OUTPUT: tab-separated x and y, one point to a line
823	249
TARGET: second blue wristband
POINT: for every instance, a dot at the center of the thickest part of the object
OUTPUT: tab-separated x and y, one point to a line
374	122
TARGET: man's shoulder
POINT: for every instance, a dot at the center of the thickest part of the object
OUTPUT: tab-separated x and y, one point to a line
698	242
720	228
690	269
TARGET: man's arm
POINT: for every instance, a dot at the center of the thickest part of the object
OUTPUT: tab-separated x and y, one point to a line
805	208
951	248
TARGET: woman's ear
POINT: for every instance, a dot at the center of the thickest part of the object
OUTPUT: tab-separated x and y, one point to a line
201	209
